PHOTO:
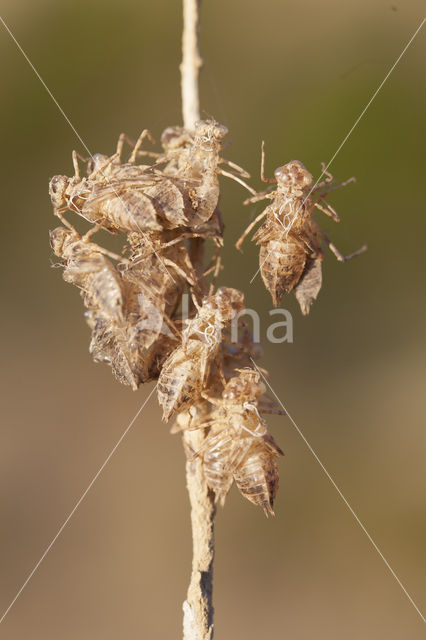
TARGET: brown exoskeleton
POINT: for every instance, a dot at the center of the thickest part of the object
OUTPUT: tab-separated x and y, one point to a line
160	266
290	240
185	372
238	446
88	268
120	197
101	286
257	474
125	324
194	158
166	192
129	347
212	229
112	203
156	271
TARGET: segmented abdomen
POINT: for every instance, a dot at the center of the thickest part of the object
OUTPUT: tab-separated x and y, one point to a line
111	344
181	378
144	317
128	211
257	475
98	279
217	462
281	266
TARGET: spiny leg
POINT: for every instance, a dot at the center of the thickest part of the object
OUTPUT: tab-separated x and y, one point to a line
145	134
86	238
240	170
249	228
169	322
329	211
328	177
91	232
75	157
219	366
233	177
271	410
195	300
334	187
201	425
114	256
340	257
209	271
122	138
262	195
180	271
217	267
151	154
58	213
262	167
181	238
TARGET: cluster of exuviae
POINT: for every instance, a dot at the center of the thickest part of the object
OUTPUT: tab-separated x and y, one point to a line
132	300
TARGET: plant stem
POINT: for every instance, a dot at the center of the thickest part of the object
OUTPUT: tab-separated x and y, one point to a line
198	606
191	63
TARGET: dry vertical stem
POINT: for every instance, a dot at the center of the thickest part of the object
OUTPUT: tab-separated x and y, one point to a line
191	63
198	607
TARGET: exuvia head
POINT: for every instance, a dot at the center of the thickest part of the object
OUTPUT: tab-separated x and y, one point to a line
293	175
210	132
227	302
59	238
247	386
57	190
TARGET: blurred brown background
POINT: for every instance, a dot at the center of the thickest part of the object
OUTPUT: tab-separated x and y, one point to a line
296	75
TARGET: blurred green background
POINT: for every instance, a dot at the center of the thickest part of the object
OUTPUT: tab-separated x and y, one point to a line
296	75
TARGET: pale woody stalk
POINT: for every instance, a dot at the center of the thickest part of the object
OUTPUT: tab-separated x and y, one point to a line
191	63
198	606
